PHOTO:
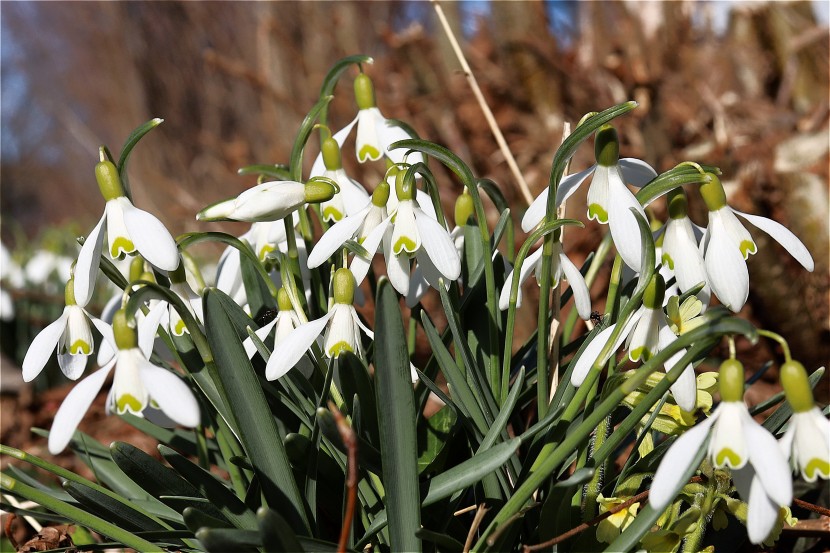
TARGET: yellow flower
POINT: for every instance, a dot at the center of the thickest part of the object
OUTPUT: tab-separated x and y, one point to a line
609	528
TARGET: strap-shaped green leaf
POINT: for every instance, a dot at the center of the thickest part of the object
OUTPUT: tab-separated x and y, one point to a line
106	507
396	415
276	533
127	149
258	431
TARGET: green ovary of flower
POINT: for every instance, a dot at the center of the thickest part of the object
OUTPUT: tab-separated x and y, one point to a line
607	146
80	347
331	154
284	300
796	386
127	403
364	92
343	287
108	180
676	200
596	211
120	247
713	194
381	194
731	383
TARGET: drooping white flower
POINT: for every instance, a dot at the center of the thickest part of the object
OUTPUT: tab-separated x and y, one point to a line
680	252
609	199
268	201
71	334
191	300
138	385
352	197
727	244
807	439
341	327
128	230
736	441
646	332
375	133
560	266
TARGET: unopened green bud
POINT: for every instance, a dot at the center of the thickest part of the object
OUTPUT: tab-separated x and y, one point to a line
136	268
654	292
381	194
404	188
108	180
344	286
148	276
731	380
331	154
317	191
796	386
676	200
464	208
283	301
364	92
607	146
69	292
713	194
126	336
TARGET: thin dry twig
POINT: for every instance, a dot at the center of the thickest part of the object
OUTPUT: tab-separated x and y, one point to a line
488	114
482	510
350	441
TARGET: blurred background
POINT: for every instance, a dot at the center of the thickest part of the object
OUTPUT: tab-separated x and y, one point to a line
743	86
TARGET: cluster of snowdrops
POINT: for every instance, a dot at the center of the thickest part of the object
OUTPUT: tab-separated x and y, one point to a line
291	299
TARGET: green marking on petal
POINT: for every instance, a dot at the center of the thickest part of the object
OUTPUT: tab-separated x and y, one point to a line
727	457
747	248
338	348
331	213
180	328
120	246
367	152
668	261
127	402
641	353
80	347
817	467
596	212
406	244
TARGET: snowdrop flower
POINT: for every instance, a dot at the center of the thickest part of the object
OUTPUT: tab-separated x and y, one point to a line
71	334
727	244
8	268
356	227
44	264
193	301
341	325
374	132
609	200
268	201
807	439
646	333
352	196
128	230
680	251
736	441
138	385
560	264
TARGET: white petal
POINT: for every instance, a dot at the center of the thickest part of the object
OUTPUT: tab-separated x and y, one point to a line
335	237
108	341
43	346
355	197
783	236
397	269
424	201
568	185
636	172
531	264
681	249
341	332
769	463
582	297
418	283
367	144
598	193
73	409
762	513
536	211
152	240
810	443
389	134
86	269
725	266
262	334
72	365
643	341
684	389
589	355
405	235
118	236
228	272
360	266
669	476
268	201
171	394
737	232
623	223
361	326
288	352
148	327
438	245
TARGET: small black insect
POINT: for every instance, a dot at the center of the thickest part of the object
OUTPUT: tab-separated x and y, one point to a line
266	315
596	317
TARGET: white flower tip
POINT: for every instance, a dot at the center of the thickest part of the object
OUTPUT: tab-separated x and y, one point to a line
217	211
